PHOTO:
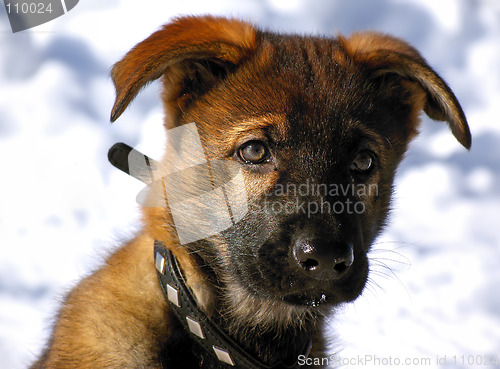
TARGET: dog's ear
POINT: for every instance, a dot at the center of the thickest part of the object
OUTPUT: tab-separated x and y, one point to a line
383	55
192	52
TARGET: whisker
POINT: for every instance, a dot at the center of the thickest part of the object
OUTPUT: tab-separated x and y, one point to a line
387	261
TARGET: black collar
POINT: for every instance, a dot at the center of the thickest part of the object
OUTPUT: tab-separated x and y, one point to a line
205	331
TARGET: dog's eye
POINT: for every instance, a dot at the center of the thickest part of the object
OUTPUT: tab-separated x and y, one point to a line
254	152
363	162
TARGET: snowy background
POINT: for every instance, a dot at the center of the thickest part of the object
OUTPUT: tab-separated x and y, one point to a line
63	207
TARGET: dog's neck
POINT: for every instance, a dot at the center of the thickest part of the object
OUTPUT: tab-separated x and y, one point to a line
247	348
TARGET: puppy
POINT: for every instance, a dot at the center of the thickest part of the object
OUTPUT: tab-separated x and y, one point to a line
287	147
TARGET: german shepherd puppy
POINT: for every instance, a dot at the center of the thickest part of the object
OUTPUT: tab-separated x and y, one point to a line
315	128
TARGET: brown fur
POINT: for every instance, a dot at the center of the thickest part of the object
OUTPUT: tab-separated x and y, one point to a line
237	82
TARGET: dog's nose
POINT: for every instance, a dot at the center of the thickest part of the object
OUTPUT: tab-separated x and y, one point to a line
323	261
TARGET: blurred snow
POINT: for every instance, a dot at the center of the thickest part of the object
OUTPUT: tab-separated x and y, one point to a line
435	288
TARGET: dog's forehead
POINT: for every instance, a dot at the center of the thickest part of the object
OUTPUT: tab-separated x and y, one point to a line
300	86
301	92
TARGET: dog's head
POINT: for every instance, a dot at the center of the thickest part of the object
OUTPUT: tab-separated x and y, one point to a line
315	126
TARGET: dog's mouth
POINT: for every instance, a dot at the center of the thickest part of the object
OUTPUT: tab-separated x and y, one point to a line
301	299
